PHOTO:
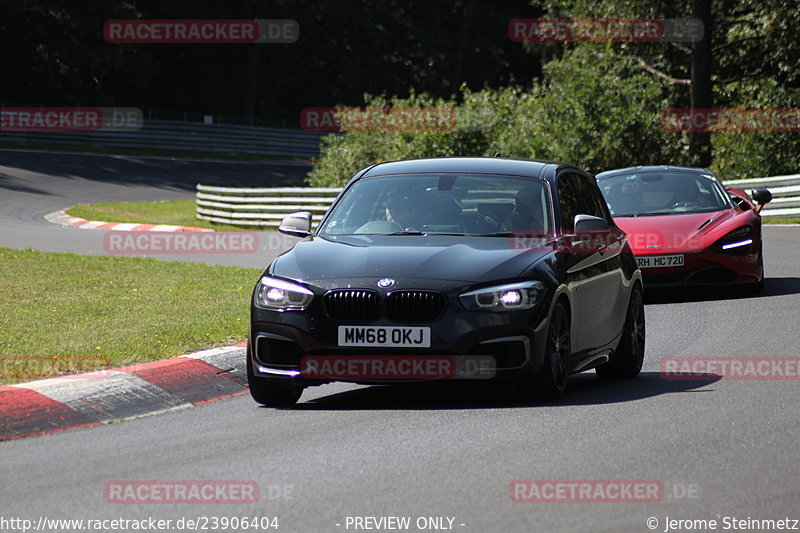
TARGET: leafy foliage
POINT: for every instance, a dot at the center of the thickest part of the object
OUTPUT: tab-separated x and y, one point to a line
591	110
56	55
765	153
597	105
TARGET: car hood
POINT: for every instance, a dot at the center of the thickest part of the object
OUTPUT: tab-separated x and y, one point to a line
672	233
453	258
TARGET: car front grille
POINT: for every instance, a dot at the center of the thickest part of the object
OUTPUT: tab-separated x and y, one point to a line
353	304
714	275
400	306
414	306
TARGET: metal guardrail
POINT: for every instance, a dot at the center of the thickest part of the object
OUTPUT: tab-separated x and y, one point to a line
785	194
261	206
266	206
188	136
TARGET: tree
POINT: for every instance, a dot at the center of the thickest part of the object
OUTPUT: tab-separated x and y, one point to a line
700	88
745	46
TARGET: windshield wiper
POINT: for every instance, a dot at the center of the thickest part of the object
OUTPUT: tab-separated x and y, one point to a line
405	232
495	234
426	233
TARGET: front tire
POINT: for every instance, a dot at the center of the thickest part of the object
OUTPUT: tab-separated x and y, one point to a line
271	392
628	358
551	382
758	287
754	288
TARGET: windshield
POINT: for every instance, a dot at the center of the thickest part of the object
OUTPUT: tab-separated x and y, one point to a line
663	193
449	204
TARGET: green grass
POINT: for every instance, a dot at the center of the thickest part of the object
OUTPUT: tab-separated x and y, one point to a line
784	220
142	152
66	313
176	212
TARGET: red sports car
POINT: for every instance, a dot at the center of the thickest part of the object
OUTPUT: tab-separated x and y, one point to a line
686	227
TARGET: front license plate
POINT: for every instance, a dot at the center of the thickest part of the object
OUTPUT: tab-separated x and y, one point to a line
660	261
386	336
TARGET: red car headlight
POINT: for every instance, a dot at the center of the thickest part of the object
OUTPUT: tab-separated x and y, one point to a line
737	242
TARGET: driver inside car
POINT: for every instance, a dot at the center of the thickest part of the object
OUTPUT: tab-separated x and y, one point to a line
691	194
526	214
400	215
400	210
630	200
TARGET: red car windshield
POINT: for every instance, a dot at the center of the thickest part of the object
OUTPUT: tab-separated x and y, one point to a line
663	193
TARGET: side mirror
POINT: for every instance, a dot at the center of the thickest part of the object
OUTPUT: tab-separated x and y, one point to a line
586	223
297	224
761	196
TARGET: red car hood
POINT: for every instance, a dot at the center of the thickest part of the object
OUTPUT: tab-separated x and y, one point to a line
671	233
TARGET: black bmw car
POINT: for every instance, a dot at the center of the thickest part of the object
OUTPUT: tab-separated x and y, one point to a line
450	268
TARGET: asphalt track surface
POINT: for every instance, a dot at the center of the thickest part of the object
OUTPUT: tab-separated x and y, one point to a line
721	448
33	184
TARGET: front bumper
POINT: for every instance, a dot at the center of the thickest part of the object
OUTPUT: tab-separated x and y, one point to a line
514	340
707	268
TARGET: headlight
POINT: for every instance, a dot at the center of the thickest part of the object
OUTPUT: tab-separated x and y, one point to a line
511	297
737	242
279	295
